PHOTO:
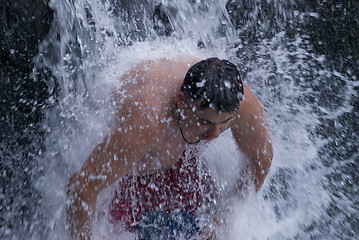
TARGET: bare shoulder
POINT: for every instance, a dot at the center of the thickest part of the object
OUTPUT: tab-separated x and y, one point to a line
149	89
171	68
138	112
250	103
149	84
163	66
250	110
250	98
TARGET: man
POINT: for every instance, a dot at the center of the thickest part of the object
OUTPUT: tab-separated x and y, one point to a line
164	107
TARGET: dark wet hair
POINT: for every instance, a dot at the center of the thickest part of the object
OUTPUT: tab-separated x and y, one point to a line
217	83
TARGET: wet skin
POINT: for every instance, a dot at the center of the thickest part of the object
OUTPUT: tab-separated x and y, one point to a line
203	123
147	135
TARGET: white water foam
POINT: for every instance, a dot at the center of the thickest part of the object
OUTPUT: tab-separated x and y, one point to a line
293	193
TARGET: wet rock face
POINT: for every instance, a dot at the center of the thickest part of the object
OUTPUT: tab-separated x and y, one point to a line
335	33
23	25
23	94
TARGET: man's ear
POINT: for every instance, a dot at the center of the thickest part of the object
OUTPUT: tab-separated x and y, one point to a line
180	100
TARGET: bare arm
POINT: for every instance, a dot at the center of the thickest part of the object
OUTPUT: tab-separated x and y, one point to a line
252	137
110	160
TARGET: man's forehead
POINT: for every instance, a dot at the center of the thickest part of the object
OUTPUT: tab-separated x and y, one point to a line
195	106
211	115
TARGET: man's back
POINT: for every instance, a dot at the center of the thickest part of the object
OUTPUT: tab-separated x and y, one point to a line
148	93
156	118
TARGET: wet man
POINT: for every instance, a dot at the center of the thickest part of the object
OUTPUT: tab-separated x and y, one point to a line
165	107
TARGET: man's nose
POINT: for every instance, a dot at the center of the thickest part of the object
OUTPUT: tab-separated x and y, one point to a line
215	131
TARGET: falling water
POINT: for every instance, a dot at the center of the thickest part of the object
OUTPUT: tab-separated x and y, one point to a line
309	94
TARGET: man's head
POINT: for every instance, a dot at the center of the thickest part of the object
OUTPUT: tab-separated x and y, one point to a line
216	83
209	99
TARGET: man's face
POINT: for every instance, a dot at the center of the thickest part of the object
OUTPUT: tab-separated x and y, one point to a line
205	123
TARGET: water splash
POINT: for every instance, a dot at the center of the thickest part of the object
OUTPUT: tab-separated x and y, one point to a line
307	103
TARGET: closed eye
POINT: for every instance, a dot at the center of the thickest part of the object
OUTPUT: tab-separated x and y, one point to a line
206	122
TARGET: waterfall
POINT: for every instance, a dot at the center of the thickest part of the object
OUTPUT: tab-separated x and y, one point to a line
284	50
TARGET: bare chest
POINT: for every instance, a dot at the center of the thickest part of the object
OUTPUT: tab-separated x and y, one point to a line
164	155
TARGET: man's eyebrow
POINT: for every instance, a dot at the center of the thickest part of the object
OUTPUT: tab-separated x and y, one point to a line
202	119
